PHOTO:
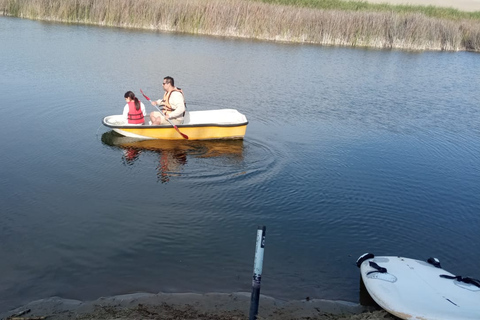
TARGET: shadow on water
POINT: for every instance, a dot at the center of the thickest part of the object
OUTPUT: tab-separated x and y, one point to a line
364	298
173	155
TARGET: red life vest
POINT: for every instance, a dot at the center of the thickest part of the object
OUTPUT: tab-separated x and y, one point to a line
134	116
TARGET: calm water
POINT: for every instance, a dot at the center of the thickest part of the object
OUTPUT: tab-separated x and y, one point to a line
347	151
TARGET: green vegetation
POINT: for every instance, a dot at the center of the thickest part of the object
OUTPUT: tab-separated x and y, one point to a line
329	22
429	11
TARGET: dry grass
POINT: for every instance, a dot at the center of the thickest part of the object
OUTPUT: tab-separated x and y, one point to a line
251	19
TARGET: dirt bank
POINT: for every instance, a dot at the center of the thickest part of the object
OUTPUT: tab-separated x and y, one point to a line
220	306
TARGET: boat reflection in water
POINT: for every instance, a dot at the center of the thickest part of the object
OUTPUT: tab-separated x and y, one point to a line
173	154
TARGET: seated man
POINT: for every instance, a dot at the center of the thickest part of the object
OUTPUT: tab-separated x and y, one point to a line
173	104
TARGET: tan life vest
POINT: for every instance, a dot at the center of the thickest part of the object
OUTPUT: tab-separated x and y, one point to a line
166	99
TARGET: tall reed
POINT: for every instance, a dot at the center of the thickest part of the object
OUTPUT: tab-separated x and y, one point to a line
251	19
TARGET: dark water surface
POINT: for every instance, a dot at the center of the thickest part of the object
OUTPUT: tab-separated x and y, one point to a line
347	151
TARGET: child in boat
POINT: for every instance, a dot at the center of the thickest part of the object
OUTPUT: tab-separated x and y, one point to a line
134	111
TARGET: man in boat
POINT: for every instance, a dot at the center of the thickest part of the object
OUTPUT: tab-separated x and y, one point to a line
173	104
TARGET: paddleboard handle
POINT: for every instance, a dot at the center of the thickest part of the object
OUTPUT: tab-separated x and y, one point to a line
364	257
376	267
467	280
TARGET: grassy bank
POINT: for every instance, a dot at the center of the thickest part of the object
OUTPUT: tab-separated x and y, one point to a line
429	11
306	22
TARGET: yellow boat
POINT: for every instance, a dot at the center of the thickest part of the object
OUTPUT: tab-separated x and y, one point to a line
197	125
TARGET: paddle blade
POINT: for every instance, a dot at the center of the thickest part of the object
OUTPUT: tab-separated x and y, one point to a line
144	95
182	134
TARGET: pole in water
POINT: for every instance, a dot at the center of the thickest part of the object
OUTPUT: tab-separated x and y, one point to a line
257	272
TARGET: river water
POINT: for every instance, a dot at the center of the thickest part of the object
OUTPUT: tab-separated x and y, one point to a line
347	151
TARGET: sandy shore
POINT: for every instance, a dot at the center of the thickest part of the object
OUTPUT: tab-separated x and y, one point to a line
464	5
220	306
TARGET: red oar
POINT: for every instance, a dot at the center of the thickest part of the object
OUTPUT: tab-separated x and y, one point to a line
182	134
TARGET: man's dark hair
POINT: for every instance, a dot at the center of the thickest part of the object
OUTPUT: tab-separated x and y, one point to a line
170	80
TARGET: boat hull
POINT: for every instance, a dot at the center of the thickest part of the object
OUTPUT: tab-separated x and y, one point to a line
229	124
193	133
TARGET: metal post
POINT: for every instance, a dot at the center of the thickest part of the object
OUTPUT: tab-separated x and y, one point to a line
257	272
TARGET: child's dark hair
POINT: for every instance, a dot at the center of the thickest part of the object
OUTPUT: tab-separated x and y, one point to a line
131	95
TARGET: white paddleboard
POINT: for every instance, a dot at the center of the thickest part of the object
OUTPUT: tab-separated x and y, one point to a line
413	289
